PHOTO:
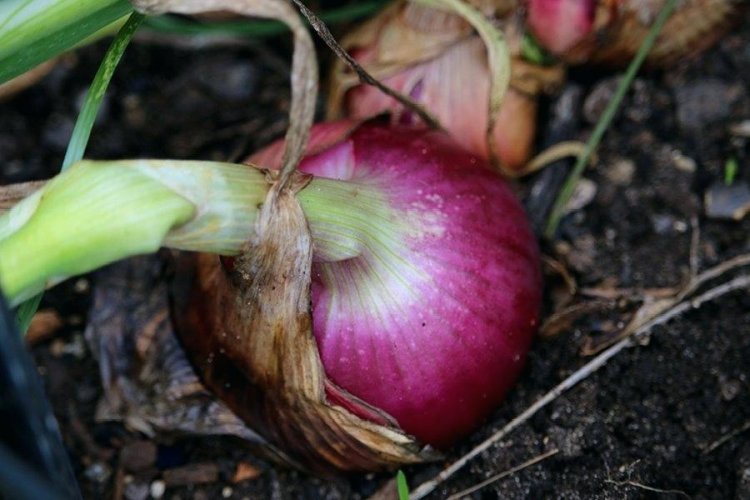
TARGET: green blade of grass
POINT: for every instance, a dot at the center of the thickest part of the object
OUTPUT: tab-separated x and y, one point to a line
83	126
32	31
95	94
402	486
730	171
603	124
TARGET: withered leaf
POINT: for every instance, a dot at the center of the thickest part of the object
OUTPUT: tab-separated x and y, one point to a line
249	333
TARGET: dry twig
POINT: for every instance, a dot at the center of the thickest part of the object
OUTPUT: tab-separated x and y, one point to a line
504	474
325	34
654	307
646	487
726	438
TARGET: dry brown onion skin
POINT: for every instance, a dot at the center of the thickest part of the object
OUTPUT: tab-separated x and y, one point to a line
248	332
620	27
408	46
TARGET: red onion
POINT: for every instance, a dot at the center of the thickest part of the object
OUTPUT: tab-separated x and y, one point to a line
431	321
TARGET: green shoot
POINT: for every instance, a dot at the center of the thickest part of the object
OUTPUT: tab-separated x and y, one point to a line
730	171
602	125
82	130
402	486
32	31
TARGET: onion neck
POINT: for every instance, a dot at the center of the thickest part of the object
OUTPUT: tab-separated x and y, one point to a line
100	212
344	217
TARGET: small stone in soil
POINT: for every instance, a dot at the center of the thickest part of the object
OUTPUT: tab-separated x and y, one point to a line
621	172
136	490
727	202
98	472
157	488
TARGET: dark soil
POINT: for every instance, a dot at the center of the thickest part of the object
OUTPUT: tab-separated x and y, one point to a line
640	427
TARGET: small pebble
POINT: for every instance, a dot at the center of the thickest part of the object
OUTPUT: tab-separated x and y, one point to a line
682	162
741	129
730	389
226	492
668	224
97	472
621	172
44	324
136	490
583	194
157	488
727	202
81	285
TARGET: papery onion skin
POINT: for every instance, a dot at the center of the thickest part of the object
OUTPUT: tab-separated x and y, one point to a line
432	57
431	323
455	87
609	32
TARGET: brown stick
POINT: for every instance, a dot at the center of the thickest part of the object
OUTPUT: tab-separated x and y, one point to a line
325	34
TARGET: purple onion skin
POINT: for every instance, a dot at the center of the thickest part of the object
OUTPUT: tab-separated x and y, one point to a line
432	321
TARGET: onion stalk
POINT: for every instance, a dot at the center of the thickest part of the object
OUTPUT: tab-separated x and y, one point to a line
97	212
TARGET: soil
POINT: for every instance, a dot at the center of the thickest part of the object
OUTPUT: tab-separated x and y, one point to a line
648	424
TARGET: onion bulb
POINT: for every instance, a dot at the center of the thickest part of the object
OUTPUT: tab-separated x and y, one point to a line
420	318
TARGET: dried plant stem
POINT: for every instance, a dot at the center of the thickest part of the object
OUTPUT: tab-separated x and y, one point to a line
504	474
498	61
659	304
581	374
646	487
325	34
726	438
